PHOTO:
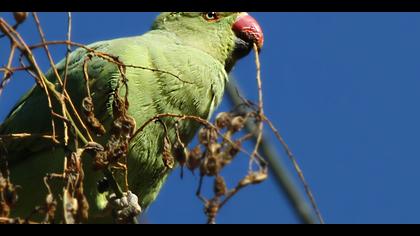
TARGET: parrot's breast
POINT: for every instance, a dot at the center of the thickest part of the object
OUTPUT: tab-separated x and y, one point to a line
178	80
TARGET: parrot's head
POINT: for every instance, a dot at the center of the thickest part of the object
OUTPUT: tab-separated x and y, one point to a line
227	36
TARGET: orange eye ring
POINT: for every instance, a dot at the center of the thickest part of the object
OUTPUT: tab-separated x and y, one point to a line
211	16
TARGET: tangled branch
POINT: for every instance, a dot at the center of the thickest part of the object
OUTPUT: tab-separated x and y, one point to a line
218	143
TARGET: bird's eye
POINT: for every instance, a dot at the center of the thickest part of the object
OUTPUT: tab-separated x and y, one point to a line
211	16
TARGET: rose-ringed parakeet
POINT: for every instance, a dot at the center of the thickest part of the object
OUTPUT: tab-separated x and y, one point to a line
189	56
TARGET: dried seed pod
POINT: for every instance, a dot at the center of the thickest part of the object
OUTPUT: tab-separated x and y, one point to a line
203	169
214	148
181	154
212	135
128	126
254	178
117	151
168	159
237	124
212	166
219	187
116	127
203	135
100	161
223	120
234	148
260	177
94	146
87	104
207	135
20	17
92	121
118	106
225	159
194	158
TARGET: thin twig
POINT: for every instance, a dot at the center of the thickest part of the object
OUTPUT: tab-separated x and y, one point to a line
25	135
39	76
259	82
260	107
41	80
262	118
8	72
47	51
54	68
64	86
6	220
68	51
298	170
278	170
247	180
14	69
86	77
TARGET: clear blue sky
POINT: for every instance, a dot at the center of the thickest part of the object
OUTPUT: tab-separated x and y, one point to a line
344	89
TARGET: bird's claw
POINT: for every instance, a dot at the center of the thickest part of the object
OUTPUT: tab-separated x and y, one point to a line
124	209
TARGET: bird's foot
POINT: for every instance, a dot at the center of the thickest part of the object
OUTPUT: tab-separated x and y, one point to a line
125	209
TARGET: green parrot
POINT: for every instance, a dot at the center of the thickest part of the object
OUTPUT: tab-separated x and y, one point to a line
200	48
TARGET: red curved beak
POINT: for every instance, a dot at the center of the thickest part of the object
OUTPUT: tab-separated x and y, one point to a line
248	29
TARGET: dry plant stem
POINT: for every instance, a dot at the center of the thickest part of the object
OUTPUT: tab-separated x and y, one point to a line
68	50
14	69
64	86
52	64
78	132
65	95
47	51
50	90
232	193
39	76
260	111
6	220
79	119
279	172
29	70
25	51
262	118
298	170
8	72
48	87
86	77
259	82
25	135
20	43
